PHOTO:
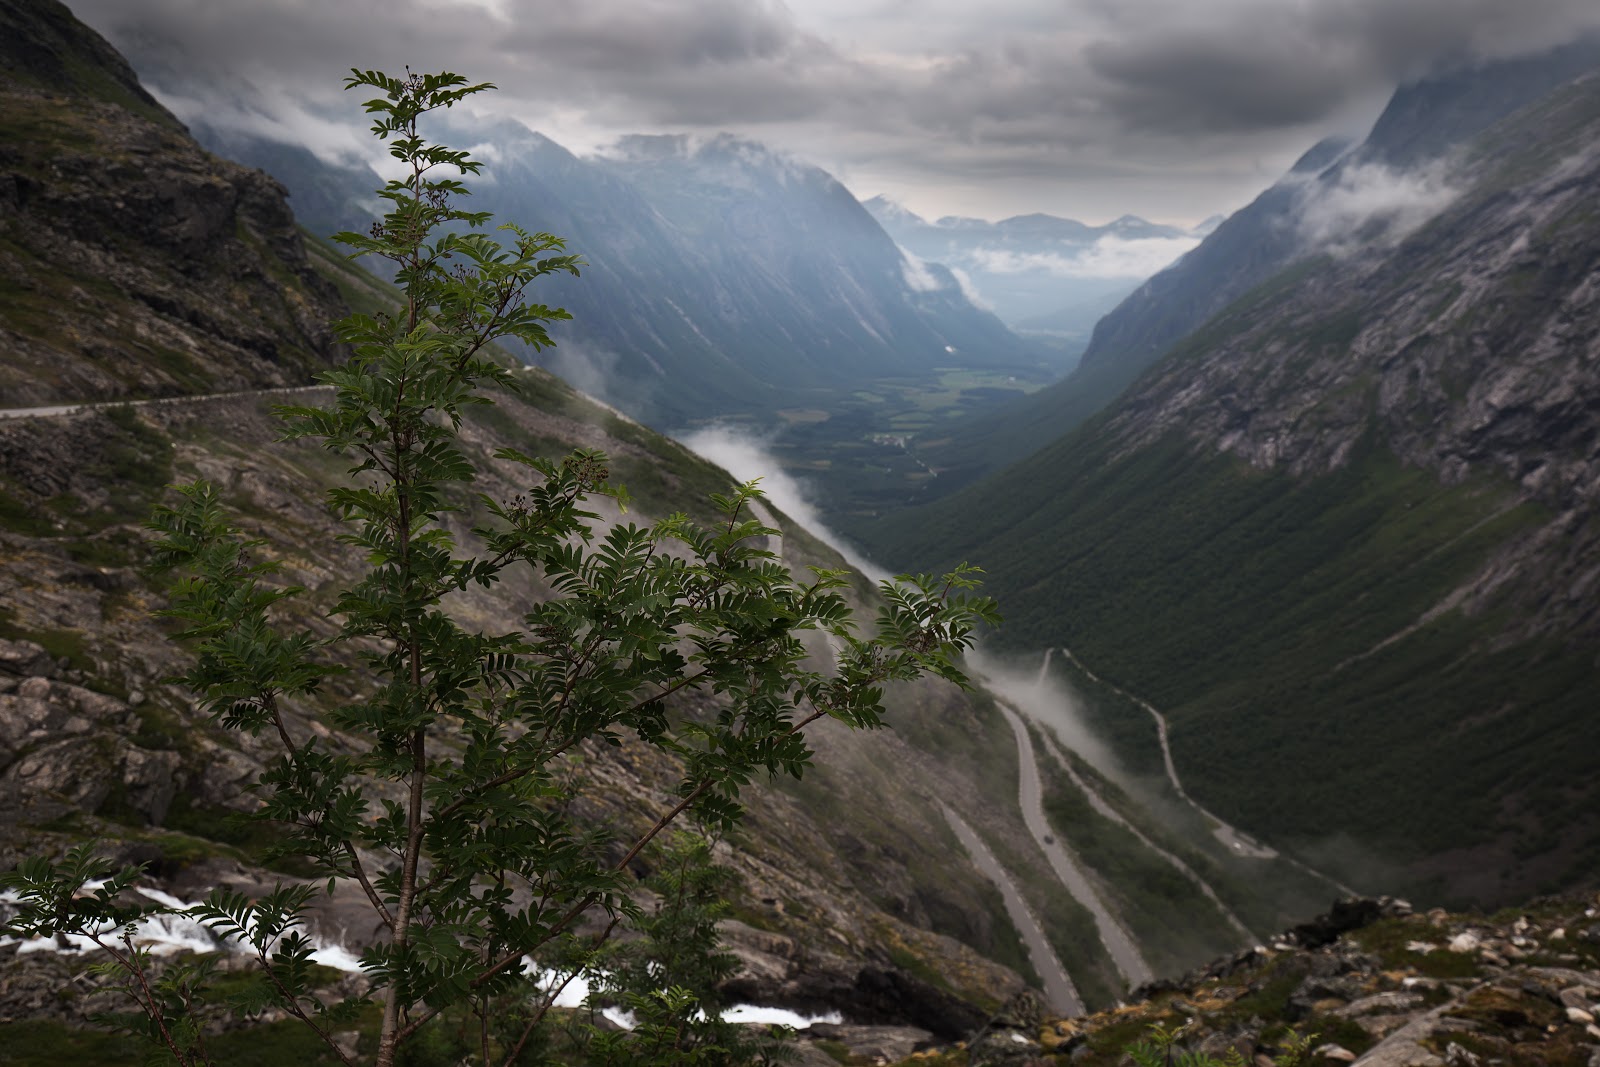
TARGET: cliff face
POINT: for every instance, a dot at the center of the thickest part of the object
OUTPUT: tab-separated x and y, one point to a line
1424	127
1470	350
134	263
1425	121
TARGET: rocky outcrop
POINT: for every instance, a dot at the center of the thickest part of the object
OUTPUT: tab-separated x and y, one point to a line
65	747
1373	984
137	264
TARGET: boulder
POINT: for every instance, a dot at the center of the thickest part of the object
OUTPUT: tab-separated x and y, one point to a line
24	659
1349	913
1011	1038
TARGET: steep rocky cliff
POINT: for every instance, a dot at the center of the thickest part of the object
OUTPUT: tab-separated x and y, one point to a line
133	262
1471	350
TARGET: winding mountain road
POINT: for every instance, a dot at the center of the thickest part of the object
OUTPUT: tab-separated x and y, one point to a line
1059	991
1105	810
1235	840
1118	943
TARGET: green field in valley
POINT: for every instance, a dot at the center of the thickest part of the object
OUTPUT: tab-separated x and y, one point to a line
859	450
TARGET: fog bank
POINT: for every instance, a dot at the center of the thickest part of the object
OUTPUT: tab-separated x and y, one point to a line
747	457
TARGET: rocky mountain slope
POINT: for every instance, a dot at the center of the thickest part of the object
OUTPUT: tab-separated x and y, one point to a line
855	891
95	745
126	251
1345	534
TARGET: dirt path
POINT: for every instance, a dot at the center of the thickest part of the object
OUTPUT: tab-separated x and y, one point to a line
59	410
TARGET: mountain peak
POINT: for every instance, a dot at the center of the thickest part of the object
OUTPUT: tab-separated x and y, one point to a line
45	46
892	212
1322	155
1427	117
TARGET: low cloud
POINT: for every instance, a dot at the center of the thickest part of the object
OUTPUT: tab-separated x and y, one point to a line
1108	257
746	456
1041	695
1370	203
969	290
595	370
919	279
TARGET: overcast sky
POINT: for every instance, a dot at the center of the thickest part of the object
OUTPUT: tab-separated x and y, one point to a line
1169	109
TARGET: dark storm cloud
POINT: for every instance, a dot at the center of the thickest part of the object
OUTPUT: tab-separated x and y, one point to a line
1185	83
536	49
1274	65
1212	96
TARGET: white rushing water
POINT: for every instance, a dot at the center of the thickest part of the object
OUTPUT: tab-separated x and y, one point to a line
165	935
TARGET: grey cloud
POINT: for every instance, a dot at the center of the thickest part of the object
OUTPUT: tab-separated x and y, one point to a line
1406	39
1265	65
1209	99
1183	82
635	37
540	49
